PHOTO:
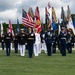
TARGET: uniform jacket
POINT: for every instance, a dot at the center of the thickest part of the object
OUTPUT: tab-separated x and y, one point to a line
49	37
22	38
30	38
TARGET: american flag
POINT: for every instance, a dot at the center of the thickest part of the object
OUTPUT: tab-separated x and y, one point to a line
27	19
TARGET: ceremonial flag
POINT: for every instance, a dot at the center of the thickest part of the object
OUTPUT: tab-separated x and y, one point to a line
47	14
63	17
70	23
30	13
11	28
74	22
54	19
18	26
43	31
1	27
59	27
38	21
27	20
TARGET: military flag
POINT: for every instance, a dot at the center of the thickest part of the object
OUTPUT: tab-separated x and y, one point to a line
54	19
30	13
18	26
38	21
1	27
69	19
59	27
63	17
11	28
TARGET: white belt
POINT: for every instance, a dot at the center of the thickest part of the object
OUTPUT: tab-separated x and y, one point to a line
63	38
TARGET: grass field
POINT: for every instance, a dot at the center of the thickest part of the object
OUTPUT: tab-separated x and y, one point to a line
42	65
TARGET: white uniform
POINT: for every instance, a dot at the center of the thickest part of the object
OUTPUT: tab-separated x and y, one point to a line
37	44
44	45
22	50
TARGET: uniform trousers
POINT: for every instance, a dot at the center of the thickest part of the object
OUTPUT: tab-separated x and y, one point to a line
44	47
69	47
30	50
36	49
16	47
22	50
2	45
49	50
63	49
8	48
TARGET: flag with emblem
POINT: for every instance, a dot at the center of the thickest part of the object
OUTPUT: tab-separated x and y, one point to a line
54	19
38	21
69	19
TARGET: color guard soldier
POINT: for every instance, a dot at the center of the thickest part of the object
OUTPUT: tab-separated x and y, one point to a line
8	39
63	40
22	38
37	47
30	42
49	41
15	40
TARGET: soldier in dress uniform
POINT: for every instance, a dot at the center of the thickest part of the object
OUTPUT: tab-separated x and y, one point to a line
49	41
8	39
2	41
22	39
63	40
69	42
30	42
15	40
37	43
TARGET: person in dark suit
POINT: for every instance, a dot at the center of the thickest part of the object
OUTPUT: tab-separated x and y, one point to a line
2	41
15	40
30	42
63	40
49	42
8	39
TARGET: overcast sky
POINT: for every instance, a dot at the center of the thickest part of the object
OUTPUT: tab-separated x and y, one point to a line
12	9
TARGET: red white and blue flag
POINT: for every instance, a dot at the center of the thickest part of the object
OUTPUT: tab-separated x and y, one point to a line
27	20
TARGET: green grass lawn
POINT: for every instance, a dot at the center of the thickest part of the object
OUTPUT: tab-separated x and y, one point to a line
41	65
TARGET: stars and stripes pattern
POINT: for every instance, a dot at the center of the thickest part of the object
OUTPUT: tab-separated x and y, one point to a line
27	19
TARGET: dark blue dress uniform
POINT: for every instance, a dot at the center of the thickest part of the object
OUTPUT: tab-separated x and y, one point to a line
30	42
63	40
49	42
15	40
8	39
2	41
69	42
